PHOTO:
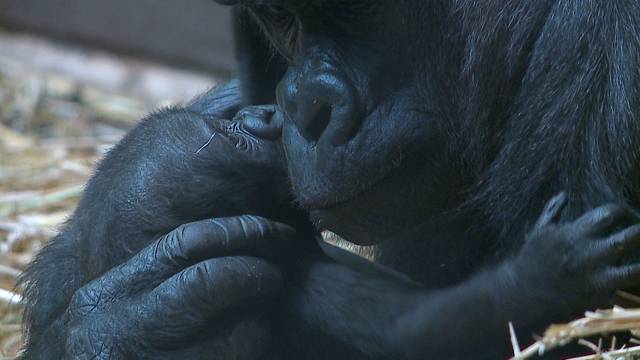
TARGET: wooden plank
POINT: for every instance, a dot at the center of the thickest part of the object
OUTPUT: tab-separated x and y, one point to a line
194	33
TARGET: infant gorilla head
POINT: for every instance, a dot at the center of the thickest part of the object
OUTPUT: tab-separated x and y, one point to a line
184	164
206	166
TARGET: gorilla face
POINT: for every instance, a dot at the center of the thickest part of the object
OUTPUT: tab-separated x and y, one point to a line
347	95
353	105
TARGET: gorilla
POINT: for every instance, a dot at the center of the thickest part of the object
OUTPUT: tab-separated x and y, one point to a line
435	131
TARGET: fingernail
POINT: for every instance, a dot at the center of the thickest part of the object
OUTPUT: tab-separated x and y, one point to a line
558	200
609	216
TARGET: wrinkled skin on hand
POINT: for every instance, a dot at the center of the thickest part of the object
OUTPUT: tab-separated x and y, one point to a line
562	269
583	261
174	298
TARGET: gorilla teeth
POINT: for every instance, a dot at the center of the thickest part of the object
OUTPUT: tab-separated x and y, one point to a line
331	237
334	239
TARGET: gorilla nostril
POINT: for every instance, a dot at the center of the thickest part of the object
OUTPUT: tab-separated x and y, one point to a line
317	123
323	105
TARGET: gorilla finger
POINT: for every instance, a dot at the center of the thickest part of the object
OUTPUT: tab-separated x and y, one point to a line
552	210
246	338
601	220
197	241
211	288
220	102
622	276
619	243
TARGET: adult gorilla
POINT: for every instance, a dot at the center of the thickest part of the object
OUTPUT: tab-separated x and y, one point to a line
435	129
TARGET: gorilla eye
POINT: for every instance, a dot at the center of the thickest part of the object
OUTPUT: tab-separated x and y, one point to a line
283	29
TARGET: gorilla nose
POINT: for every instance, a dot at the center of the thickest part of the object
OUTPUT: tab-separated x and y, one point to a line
320	104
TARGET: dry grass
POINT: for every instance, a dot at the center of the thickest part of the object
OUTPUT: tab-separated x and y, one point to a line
49	143
599	323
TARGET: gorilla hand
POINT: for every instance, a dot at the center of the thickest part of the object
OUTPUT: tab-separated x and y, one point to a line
176	297
580	263
561	270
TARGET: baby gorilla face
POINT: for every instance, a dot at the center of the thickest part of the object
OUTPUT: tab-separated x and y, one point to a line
179	166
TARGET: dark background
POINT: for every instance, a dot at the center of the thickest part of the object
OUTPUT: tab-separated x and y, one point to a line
188	33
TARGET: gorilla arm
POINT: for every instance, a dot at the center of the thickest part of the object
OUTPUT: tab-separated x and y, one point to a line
384	315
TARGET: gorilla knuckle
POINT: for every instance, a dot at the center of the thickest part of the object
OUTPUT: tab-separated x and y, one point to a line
613	209
568	242
84	342
172	246
628	273
222	232
622	275
205	273
200	282
246	269
259	225
617	245
256	268
206	269
554	239
611	212
237	264
84	301
598	282
254	227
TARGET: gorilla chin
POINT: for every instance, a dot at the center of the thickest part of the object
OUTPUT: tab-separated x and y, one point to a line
386	209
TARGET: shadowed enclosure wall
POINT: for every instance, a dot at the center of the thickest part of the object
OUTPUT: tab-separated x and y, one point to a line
192	33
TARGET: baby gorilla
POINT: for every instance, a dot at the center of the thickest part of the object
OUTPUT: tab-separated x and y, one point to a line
179	165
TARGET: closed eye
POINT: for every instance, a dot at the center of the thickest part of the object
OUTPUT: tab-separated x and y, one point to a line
282	27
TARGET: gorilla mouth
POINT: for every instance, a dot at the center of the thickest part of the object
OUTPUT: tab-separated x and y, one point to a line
357	194
325	176
361	190
367	211
366	189
348	217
